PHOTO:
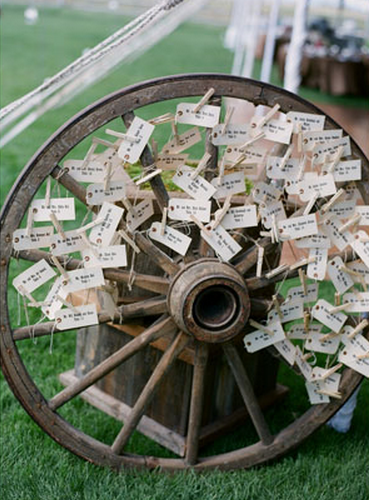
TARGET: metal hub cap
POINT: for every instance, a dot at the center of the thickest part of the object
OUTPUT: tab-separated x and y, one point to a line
209	300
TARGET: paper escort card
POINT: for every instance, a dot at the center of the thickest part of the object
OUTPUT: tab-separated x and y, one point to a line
253	154
290	170
361	247
341	281
321	151
349	356
171	238
198	188
278	131
53	303
207	116
222	243
183	142
308	121
63	208
103	234
315	397
297	332
316	270
305	369
322	185
297	292
96	193
182	209
33	277
67	319
239	217
258	339
233	134
363	211
290	311
346	171
141	213
112	256
314	241
331	382
311	138
358	302
298	227
72	243
315	343
93	171
331	227
171	162
321	313
141	130
38	237
268	211
342	209
287	350
359	267
82	279
265	193
231	184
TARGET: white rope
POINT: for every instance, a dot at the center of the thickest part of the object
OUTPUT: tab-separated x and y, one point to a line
130	40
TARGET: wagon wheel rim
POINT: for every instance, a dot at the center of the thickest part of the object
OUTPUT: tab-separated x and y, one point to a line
46	162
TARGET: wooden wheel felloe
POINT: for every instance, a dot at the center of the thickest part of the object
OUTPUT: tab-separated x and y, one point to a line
200	295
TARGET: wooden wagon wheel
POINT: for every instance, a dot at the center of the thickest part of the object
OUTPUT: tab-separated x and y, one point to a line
184	295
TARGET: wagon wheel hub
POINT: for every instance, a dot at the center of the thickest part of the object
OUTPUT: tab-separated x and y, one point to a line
209	300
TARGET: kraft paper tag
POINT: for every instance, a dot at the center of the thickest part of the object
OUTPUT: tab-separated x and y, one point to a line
349	170
333	321
82	279
207	116
322	185
358	302
349	356
67	319
231	184
72	243
103	233
53	303
297	292
287	350
310	138
297	332
316	270
141	131
267	212
322	151
315	397
266	193
308	121
331	229
182	209
63	208
171	238
233	134
342	210
184	141
298	227
290	311
94	171
278	131
290	170
171	162
363	211
305	368
34	277
314	241
314	343
359	267
38	237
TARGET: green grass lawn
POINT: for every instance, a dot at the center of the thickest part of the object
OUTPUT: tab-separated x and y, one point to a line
328	466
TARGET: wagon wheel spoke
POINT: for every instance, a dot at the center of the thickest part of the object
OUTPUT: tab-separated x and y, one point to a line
158	329
143	308
156	284
249	258
147	160
247	393
148	392
197	401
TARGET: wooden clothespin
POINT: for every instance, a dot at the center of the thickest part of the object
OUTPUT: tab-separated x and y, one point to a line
48	192
363	356
200	225
277	306
330	372
221	171
222	212
359	328
108	165
328	336
299	138
128	206
278	270
257	124
325	392
27	294
155	151
30	216
302	262
259	264
285	158
103	142
336	160
203	100
339	308
122	136
274	230
302	277
333	200
59	267
174	127
351	222
129	240
227	119
261	327
302	167
311	203
57	225
90	225
90	152
149	176
68	304
251	141
307	318
167	117
163	221
202	164
337	299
